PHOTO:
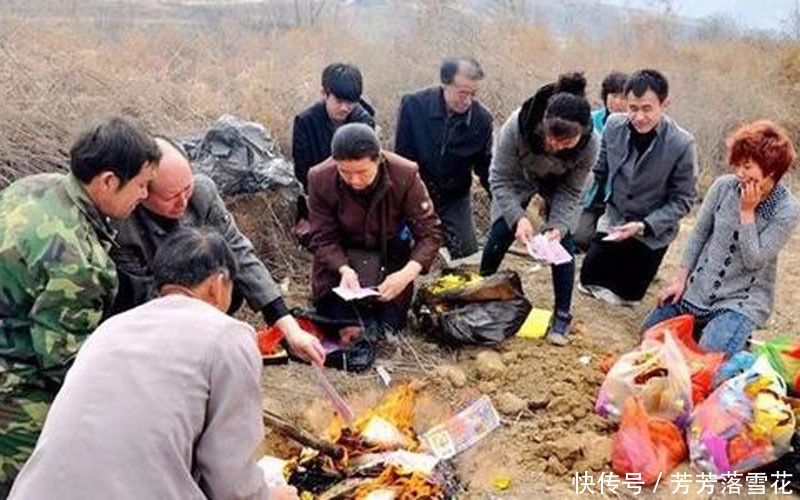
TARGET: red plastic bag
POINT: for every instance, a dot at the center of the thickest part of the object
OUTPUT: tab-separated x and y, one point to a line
269	337
646	444
702	365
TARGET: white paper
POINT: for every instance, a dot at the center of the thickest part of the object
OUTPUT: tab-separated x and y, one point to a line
551	251
361	293
384	375
272	468
407	461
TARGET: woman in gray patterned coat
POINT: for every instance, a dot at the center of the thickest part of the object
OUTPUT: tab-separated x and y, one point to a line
727	277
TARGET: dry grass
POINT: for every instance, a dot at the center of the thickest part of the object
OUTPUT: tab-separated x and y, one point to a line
56	74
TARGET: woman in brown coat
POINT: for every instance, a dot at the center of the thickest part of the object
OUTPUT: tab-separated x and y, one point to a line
373	225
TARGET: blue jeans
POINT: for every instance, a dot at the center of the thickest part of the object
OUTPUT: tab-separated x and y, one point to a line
500	239
722	330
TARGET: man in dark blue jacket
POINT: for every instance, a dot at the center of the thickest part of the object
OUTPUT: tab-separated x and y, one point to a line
449	134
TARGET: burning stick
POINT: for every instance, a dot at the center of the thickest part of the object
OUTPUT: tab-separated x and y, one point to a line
306	439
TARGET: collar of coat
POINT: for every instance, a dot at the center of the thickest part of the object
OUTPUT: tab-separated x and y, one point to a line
660	127
437	109
77	193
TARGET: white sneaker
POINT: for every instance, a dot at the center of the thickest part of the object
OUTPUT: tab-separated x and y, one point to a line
468	260
445	255
587	289
612	298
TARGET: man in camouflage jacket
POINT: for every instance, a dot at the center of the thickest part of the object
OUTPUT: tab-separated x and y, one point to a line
57	280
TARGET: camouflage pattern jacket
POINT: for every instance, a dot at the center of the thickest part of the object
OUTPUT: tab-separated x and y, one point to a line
56	278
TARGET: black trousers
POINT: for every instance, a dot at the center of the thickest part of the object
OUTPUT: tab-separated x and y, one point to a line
625	267
459	226
362	312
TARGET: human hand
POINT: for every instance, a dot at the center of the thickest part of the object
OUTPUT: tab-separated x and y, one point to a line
349	279
524	232
553	234
283	493
349	334
395	283
628	230
676	289
750	197
305	345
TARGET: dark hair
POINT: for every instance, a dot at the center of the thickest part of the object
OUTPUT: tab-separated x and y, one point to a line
468	66
117	145
572	83
765	143
645	79
568	112
342	80
613	83
190	255
355	141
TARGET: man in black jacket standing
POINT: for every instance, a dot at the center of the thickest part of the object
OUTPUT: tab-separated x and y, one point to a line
313	128
449	134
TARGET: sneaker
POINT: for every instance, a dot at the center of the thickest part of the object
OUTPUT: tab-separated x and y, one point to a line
444	254
559	329
587	289
473	260
612	298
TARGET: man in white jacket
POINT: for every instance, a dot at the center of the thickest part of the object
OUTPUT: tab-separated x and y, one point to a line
164	400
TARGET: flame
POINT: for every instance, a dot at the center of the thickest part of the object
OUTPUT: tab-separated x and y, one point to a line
397	408
407	486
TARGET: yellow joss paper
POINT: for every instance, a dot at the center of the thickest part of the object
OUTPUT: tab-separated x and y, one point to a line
535	325
501	482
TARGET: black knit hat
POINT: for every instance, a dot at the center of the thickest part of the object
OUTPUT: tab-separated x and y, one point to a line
355	141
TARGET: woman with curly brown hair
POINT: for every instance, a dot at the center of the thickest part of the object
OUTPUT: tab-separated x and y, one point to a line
727	277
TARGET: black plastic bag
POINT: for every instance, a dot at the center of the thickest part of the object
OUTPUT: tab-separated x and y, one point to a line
481	312
483	323
241	157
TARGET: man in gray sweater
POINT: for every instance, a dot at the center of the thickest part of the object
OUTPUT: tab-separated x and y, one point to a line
163	401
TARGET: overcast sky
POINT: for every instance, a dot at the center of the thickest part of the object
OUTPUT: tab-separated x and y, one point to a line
751	14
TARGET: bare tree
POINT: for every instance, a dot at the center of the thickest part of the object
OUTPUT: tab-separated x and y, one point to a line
792	22
511	8
666	7
307	12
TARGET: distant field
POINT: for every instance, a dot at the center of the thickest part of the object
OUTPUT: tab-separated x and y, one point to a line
178	68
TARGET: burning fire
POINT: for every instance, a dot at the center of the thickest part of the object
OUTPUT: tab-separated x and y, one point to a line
381	443
405	487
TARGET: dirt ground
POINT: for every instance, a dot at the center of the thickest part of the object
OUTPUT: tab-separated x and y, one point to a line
545	394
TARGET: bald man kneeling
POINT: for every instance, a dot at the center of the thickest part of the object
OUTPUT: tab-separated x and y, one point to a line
179	198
